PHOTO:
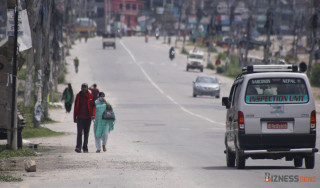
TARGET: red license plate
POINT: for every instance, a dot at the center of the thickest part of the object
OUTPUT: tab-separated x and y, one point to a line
277	125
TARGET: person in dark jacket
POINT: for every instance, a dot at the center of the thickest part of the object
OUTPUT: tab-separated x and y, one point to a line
84	112
94	91
67	96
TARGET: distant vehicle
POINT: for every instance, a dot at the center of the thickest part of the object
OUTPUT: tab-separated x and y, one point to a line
195	60
206	85
109	39
85	25
271	114
225	42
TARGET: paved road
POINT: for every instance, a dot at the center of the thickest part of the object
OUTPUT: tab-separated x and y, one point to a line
163	136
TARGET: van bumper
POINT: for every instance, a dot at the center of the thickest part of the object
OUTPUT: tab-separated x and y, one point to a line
276	141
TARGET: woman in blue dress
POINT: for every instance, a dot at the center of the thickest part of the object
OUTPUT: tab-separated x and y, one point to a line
102	127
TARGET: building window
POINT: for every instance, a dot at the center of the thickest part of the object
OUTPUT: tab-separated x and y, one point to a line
128	6
121	6
100	12
134	7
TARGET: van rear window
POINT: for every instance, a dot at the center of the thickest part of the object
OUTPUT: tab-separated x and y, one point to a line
276	91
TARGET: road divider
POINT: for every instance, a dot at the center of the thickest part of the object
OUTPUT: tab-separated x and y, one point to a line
166	95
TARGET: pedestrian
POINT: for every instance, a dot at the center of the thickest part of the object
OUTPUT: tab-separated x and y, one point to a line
218	62
102	127
94	91
67	96
84	112
76	64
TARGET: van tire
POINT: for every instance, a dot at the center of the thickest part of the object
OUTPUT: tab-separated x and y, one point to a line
240	160
297	162
309	161
230	157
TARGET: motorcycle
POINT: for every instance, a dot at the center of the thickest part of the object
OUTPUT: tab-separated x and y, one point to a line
171	55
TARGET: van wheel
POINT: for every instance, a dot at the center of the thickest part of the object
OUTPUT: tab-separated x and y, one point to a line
297	162
309	161
201	70
240	160
194	95
230	157
217	96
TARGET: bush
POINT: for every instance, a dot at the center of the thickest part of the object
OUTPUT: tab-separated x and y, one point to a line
61	78
220	69
22	74
222	56
315	75
210	66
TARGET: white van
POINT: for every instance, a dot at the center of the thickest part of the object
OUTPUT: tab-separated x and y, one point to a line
270	115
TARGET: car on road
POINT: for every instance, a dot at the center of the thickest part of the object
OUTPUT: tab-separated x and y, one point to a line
195	60
271	114
206	85
109	40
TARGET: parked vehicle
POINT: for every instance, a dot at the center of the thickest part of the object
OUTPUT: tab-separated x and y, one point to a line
195	60
206	85
271	114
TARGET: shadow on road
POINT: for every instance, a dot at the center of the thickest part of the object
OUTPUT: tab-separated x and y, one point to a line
251	168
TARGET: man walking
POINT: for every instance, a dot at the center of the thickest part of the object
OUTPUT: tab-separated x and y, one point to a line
94	91
84	112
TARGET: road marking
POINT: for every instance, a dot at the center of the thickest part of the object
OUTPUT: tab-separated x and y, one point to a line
166	95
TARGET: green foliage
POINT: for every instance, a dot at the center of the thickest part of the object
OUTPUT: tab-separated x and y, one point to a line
233	72
22	74
210	66
9	178
16	153
184	51
222	56
220	69
315	75
30	132
61	78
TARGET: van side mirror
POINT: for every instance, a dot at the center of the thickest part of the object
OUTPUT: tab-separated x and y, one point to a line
225	102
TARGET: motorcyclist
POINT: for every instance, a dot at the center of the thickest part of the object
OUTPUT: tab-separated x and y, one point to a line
171	53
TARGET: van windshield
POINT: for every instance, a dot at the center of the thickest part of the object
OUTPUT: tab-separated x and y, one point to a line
276	91
192	56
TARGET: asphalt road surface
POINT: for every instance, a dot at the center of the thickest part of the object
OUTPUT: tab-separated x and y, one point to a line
163	136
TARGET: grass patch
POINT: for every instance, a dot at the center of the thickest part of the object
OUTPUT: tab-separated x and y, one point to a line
6	153
22	74
184	51
29	131
9	178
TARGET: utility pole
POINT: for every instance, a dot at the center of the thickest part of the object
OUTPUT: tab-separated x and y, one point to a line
12	127
211	29
269	26
248	34
314	26
187	12
179	27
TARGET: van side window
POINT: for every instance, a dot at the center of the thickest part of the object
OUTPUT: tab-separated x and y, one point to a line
231	93
236	95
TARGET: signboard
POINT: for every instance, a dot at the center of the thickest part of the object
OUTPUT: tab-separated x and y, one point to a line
10	23
3	23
